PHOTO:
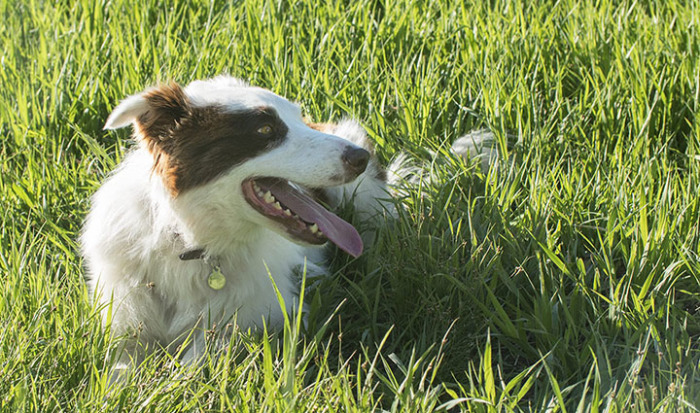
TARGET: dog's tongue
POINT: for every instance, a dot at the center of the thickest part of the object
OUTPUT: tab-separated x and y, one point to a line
340	232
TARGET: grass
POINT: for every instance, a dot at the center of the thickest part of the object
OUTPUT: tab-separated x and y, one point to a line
565	279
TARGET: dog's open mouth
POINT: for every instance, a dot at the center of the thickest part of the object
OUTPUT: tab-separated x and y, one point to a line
302	217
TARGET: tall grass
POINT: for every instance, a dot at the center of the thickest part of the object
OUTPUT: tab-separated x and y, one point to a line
566	278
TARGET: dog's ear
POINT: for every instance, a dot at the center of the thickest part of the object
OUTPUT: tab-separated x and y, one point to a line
126	112
153	112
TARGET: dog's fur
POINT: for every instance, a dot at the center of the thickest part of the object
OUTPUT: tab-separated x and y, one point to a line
185	203
181	190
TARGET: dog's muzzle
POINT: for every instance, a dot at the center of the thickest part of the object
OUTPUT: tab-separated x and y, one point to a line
355	159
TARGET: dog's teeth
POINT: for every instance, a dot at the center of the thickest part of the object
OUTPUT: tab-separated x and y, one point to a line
277	206
319	233
287	212
267	197
313	228
257	189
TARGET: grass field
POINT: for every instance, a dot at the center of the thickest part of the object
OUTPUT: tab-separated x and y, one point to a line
567	278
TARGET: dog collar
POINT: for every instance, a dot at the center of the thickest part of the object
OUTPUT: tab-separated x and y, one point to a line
193	254
215	279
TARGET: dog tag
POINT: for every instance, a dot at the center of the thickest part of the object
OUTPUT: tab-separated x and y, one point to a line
216	279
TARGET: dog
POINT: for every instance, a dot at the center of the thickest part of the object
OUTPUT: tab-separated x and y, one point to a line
217	209
225	200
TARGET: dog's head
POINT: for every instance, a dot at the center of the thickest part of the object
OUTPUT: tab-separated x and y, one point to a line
221	141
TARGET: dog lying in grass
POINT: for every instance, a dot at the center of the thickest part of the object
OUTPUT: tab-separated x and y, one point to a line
225	195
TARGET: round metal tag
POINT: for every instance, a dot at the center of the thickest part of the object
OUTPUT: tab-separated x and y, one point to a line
216	279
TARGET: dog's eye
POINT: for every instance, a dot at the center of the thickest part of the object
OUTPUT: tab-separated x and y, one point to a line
265	130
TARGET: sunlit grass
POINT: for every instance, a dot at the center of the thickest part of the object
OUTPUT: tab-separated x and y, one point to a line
566	278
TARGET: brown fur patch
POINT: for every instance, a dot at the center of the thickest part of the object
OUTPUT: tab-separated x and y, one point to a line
321	127
168	104
194	145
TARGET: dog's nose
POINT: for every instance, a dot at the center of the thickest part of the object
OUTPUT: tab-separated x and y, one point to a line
355	159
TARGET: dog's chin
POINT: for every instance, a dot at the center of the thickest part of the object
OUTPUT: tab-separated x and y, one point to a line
257	192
